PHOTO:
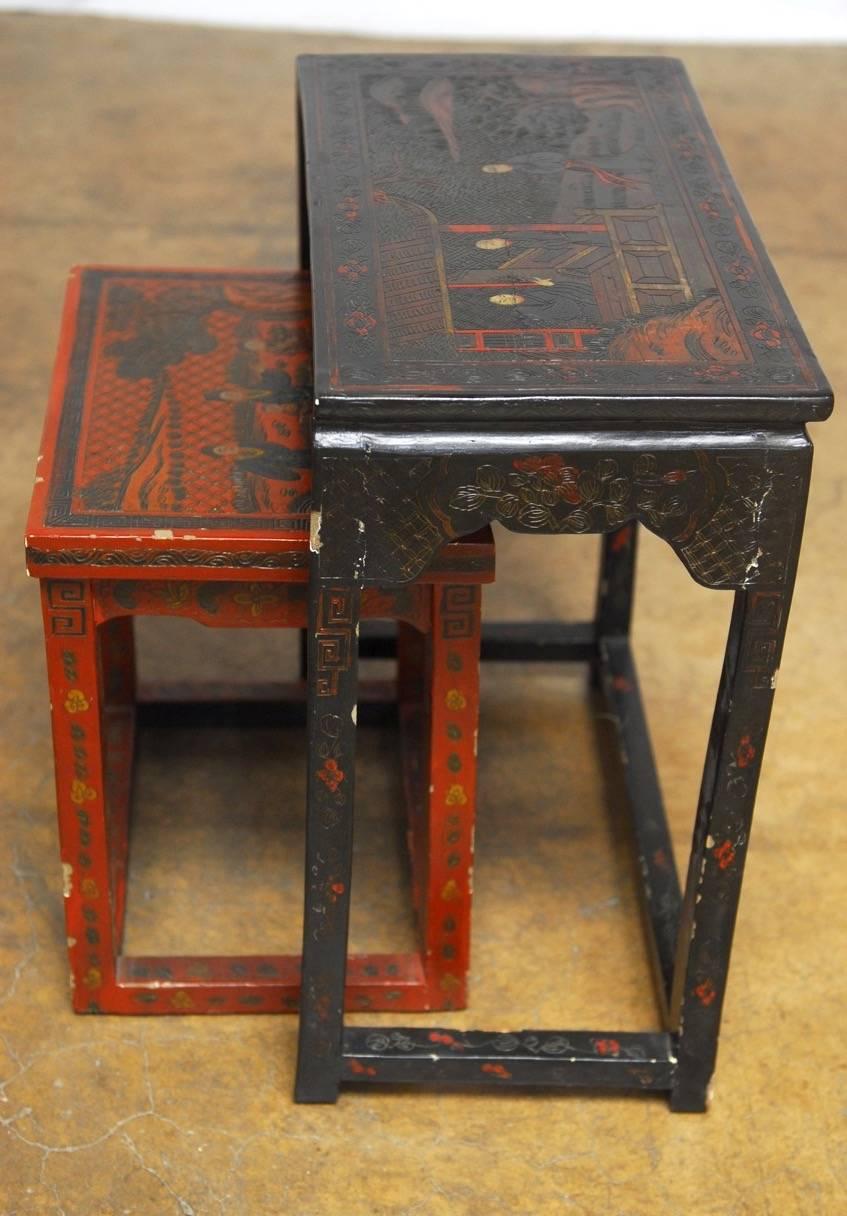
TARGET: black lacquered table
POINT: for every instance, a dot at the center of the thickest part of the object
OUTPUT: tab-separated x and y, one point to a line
539	299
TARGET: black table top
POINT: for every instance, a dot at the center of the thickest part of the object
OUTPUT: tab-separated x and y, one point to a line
523	238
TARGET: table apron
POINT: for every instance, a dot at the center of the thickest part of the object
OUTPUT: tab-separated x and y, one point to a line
730	504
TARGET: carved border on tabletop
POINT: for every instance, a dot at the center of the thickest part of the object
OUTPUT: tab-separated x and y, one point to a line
168	557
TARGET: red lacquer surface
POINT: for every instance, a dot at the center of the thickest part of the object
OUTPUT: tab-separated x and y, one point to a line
164	368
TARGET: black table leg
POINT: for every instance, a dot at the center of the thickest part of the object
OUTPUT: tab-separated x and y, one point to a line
721	836
617	577
745	539
331	716
615	585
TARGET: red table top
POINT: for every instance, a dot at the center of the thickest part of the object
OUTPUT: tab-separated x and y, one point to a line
179	417
178	434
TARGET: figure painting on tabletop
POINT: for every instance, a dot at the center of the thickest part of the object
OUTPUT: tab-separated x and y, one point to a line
538	227
196	407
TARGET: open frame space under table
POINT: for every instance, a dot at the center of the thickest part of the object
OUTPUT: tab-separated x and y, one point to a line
539	299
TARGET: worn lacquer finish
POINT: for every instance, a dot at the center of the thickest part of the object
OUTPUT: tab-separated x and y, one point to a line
175	480
723	502
178	431
564	231
540	301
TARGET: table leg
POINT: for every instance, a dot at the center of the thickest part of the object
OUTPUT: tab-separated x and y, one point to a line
452	692
76	698
721	836
331	718
116	652
617	576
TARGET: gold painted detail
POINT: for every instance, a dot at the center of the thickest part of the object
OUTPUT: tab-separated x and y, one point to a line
76	701
256	597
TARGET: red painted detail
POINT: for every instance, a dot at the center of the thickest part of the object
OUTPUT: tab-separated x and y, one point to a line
622	684
446	1040
338	888
349	207
660	859
362	1070
607	1047
705	992
563	478
767	335
360	322
606	176
353	270
549	466
674	476
497	1070
331	774
621	539
746	753
716	371
724	854
741	270
547	336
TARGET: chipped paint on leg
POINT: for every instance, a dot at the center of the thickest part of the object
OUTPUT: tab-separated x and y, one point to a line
315	531
752	571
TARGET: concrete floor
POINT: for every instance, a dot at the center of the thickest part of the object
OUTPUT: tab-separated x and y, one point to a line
173	146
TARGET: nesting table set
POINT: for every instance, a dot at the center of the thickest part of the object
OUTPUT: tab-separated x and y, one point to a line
537	299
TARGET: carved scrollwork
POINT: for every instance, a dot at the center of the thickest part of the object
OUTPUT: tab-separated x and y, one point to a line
528	1044
201	558
543	493
728	513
